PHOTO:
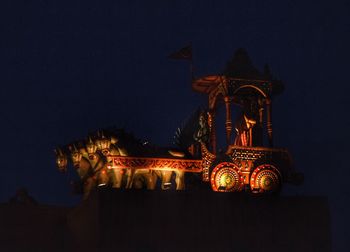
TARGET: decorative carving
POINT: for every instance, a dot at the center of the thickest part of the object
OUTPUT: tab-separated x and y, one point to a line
254	153
207	160
185	165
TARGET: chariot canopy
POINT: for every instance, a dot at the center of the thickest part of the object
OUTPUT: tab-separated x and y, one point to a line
244	85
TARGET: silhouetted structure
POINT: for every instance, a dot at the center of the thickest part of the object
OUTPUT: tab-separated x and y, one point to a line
114	220
22	197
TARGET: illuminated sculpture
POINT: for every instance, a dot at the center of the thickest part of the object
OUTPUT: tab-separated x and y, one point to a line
246	164
116	159
103	159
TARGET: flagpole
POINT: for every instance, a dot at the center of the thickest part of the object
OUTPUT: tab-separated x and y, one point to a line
192	69
191	62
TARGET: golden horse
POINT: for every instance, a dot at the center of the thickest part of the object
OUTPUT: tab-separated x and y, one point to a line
61	160
136	178
81	165
92	161
84	169
107	148
98	163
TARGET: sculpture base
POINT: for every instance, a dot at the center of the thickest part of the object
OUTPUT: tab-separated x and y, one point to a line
113	220
209	221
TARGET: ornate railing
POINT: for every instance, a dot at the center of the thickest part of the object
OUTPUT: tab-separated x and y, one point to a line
186	165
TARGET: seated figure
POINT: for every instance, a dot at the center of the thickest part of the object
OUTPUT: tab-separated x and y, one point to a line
244	131
249	125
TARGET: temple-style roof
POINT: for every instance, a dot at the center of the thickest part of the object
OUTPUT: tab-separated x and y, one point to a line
207	83
239	71
241	66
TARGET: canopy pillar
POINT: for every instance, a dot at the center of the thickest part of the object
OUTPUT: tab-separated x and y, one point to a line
228	123
269	121
212	127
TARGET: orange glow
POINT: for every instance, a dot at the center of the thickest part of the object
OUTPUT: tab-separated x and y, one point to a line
226	177
119	162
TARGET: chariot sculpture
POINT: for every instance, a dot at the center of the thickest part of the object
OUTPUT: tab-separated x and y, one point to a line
250	162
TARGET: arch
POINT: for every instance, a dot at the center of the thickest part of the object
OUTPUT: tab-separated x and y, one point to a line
215	98
251	86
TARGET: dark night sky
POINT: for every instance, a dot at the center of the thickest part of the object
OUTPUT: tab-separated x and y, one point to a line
68	68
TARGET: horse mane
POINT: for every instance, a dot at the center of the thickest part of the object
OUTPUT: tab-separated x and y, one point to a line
136	147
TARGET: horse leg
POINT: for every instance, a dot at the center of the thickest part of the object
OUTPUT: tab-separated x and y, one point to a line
166	179
151	180
130	173
180	180
138	180
117	178
89	185
103	178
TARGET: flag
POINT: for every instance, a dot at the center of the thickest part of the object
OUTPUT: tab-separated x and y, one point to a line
184	53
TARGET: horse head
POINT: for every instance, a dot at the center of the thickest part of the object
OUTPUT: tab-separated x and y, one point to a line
76	156
61	160
103	144
91	148
114	140
98	141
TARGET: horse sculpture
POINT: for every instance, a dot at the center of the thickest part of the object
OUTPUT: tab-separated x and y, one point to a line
107	147
127	145
84	169
61	160
91	160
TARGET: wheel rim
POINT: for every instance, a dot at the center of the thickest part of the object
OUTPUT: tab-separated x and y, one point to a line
265	178
226	177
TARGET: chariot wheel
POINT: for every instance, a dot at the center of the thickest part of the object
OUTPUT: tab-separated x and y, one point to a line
226	177
265	178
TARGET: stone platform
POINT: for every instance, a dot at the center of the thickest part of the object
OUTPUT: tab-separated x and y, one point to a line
170	221
208	221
